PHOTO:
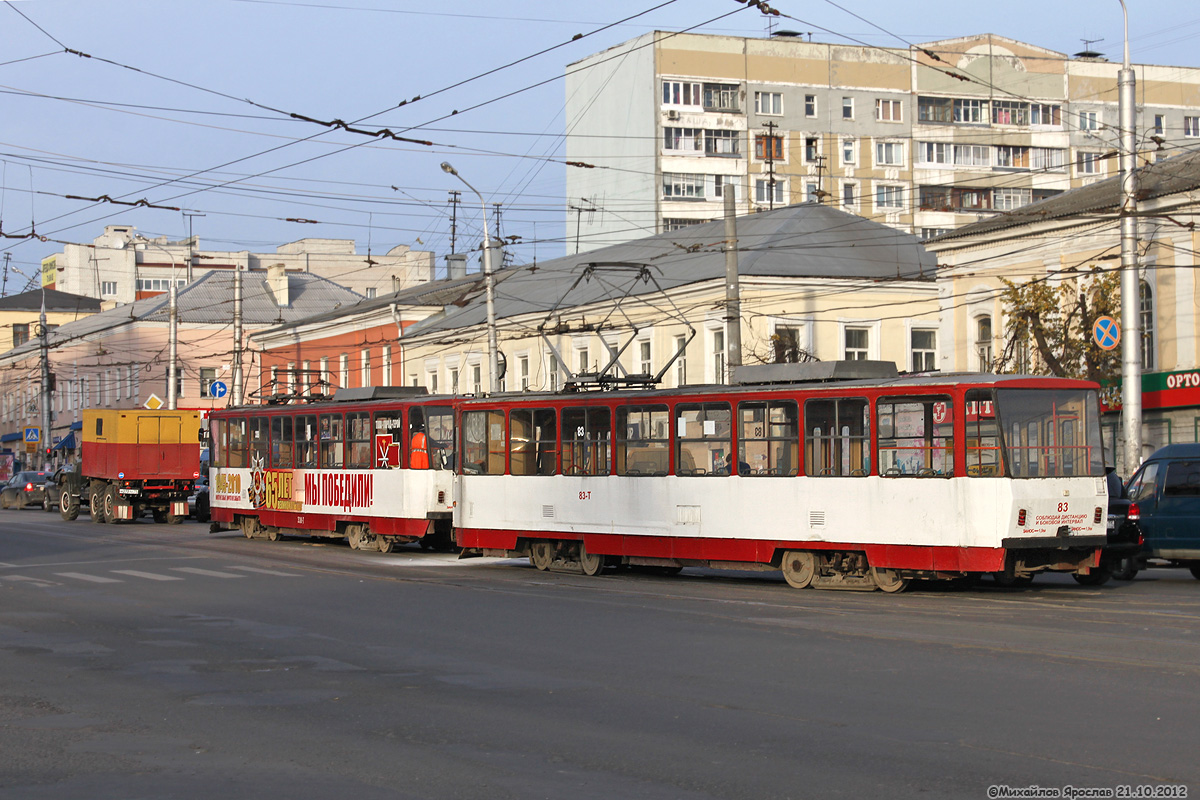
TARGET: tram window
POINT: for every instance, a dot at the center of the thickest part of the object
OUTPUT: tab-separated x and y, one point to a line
332	445
281	442
483	443
219	443
837	437
643	440
389	432
1051	432
916	436
358	440
704	437
237	442
306	441
983	436
768	438
259	447
532	441
439	429
586	438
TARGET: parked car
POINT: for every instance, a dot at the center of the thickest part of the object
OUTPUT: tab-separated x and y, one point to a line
24	489
1167	491
198	508
1119	557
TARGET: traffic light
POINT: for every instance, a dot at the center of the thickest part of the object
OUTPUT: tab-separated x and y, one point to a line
53	382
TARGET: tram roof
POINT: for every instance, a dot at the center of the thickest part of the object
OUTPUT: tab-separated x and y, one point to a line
803	241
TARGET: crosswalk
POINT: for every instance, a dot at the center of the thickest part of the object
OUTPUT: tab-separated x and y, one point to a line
168	574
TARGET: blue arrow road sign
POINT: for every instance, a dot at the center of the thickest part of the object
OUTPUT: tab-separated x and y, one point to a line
1106	332
217	389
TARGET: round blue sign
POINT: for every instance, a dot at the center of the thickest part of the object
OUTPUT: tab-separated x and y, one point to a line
1106	332
217	389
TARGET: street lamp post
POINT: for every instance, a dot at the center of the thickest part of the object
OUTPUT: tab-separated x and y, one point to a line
489	284
1131	344
173	335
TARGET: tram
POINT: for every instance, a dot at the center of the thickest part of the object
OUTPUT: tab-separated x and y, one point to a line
854	484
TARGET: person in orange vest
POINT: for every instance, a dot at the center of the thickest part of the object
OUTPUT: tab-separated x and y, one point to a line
419	450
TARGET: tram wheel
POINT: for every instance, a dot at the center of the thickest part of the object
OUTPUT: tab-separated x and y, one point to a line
386	544
590	563
889	580
799	568
1097	577
273	534
541	555
249	526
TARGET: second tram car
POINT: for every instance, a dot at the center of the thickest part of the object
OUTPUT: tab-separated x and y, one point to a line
858	484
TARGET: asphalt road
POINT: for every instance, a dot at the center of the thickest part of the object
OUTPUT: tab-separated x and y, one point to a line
157	661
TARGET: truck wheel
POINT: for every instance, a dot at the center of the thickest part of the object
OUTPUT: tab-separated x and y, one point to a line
1126	569
67	506
110	504
96	506
173	519
160	515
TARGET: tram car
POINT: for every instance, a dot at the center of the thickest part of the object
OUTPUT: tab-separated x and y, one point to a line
839	483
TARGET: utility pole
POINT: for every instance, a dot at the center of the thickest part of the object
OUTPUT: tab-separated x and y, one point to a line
235	394
191	242
579	216
771	164
454	220
45	355
821	193
733	293
1131	338
4	286
496	211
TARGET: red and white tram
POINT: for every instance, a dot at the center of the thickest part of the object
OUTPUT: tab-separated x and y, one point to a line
858	484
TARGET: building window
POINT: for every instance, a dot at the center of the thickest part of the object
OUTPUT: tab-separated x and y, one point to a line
849	151
935	109
1012	157
1146	313
930	233
770	103
847	108
889	154
344	371
810	105
20	333
857	342
850	195
387	366
889	196
768	147
812	149
365	364
108	288
923	344
1088	121
207	376
718	356
681	361
1010	112
552	372
582	360
1160	124
971	155
683	140
679	186
723	184
765	192
477	379
371	292
323	378
722	143
677	223
970	112
1087	163
158	284
887	110
721	97
787	344
1191	126
523	373
453	381
431	381
1011	199
1045	114
680	93
644	364
983	343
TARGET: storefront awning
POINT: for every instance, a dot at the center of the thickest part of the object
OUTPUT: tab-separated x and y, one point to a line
67	442
11	437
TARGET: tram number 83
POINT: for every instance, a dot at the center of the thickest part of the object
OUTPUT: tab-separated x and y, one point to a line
585	495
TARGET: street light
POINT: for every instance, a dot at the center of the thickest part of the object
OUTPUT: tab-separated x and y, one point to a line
173	335
489	284
1131	345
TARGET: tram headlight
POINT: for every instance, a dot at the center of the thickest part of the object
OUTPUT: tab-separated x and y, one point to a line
1099	515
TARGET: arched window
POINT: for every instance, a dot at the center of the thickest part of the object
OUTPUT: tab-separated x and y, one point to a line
983	343
1146	321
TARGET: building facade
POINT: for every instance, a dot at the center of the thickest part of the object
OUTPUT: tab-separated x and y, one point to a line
120	266
924	139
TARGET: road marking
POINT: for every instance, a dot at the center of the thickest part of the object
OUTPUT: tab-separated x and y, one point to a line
39	581
267	572
6	564
82	577
150	576
210	573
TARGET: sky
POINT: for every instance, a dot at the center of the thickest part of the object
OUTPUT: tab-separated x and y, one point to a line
181	110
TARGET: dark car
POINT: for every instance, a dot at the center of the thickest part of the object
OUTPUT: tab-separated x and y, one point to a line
198	501
64	478
1167	491
1119	557
24	489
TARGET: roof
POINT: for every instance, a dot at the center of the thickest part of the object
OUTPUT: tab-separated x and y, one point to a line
808	240
209	300
1166	177
55	301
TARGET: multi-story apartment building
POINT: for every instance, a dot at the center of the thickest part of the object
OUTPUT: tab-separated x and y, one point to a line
925	138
